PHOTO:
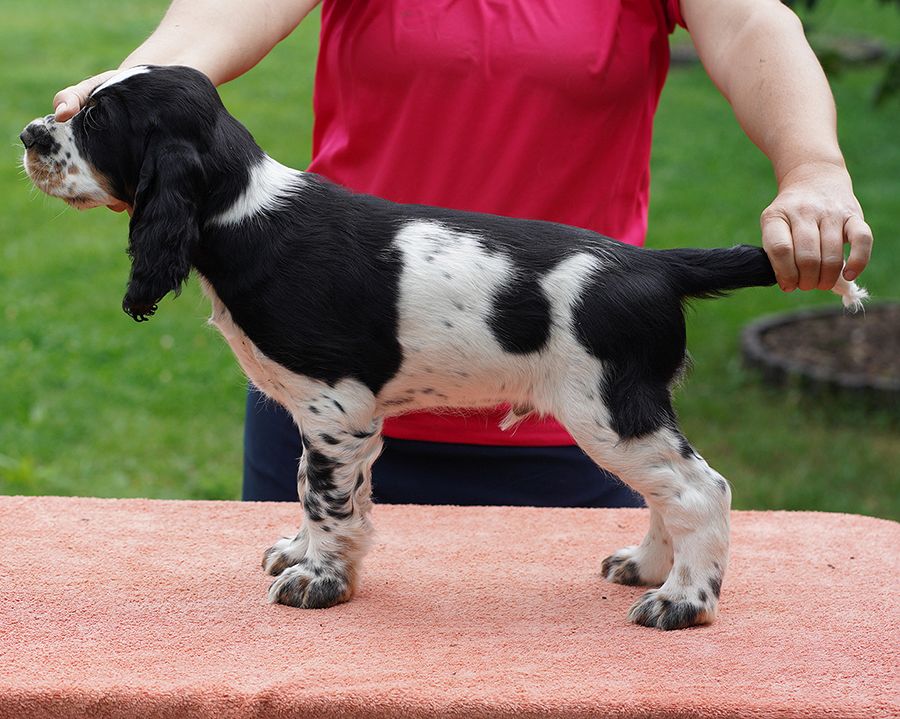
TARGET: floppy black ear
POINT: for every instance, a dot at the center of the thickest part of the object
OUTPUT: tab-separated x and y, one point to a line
164	226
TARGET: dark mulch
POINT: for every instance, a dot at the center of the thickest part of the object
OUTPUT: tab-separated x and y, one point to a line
848	351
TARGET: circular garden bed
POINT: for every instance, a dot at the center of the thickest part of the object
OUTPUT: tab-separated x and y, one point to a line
831	349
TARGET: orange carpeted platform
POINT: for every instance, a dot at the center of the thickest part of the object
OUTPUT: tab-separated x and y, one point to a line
138	608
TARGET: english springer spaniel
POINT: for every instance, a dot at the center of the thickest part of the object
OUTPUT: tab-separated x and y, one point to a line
347	308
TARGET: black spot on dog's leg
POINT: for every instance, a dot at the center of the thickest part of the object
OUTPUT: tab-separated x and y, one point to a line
311	509
684	447
319	472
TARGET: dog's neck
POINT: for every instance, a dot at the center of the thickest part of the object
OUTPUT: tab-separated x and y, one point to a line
231	165
237	236
268	186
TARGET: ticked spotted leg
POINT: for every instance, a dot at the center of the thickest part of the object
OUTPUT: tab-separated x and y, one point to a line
319	567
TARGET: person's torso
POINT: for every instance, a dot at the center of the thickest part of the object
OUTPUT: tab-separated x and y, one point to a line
526	108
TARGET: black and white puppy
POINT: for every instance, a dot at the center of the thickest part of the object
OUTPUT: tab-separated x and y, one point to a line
346	308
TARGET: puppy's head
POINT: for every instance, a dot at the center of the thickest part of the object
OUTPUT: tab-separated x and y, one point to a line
143	138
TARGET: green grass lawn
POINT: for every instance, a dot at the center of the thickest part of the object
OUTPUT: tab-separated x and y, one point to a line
93	404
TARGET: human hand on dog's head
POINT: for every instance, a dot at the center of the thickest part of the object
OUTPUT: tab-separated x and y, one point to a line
68	102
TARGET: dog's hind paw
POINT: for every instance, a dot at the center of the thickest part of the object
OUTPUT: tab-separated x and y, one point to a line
664	610
633	567
309	588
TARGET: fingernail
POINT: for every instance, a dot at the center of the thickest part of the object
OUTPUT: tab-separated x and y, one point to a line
61	108
849	275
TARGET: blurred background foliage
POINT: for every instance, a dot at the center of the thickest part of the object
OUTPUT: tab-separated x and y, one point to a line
837	55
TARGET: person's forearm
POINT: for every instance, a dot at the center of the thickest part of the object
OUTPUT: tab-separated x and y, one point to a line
756	54
764	66
221	38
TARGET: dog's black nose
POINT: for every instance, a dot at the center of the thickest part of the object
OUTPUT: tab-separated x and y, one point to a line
36	135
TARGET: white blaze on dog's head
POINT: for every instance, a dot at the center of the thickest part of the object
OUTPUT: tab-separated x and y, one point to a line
121	77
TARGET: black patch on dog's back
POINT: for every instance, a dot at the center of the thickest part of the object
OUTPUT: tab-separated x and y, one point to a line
520	317
520	311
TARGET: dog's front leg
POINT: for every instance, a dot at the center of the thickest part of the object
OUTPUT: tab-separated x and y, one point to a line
319	567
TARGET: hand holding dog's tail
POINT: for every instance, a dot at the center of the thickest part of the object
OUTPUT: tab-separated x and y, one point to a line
709	273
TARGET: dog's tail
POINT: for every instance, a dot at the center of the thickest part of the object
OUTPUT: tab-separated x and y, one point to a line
712	273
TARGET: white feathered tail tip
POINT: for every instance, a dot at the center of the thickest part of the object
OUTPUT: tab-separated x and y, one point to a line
852	295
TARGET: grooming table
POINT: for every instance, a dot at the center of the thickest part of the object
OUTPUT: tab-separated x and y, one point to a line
146	608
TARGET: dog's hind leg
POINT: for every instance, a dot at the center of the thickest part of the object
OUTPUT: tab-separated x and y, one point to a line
319	567
647	564
689	504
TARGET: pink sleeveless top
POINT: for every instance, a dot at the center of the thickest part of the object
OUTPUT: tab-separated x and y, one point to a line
526	108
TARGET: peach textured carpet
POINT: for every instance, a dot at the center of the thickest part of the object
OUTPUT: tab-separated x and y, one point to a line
139	608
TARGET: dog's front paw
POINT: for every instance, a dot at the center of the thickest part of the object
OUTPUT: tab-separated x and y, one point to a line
634	566
286	552
309	588
665	609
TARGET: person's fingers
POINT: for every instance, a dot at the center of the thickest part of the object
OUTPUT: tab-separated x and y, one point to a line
777	242
69	101
807	252
831	248
859	235
66	103
806	225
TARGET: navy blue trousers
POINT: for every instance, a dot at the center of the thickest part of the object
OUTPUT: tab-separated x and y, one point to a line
434	472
